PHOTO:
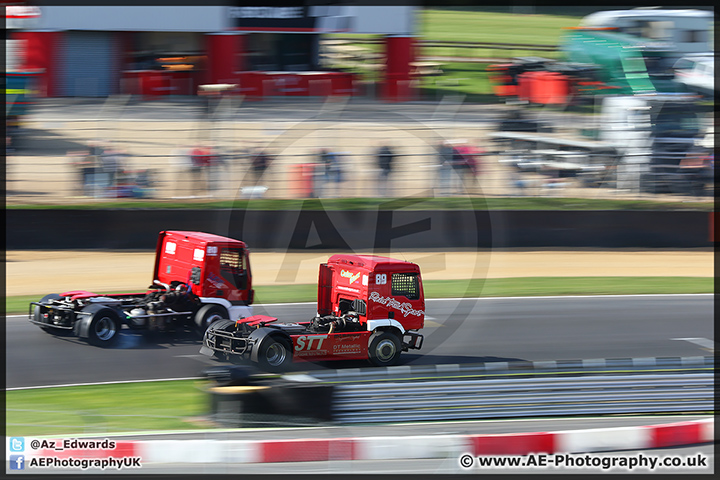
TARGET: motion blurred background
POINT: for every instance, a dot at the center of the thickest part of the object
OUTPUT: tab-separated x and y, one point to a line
532	128
226	102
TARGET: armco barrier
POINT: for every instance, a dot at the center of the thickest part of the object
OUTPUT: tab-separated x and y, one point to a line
489	390
527	368
360	230
460	399
401	447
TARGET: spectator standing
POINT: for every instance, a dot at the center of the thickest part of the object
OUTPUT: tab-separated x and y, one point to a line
385	159
519	184
90	169
695	170
182	163
80	160
200	158
111	165
332	173
445	160
260	163
460	167
473	158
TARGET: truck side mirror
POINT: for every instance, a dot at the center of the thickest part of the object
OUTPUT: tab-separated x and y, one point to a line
241	281
195	275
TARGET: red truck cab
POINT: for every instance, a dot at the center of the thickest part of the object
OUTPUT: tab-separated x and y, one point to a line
385	290
210	265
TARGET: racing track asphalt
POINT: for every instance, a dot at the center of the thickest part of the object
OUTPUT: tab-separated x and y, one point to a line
457	331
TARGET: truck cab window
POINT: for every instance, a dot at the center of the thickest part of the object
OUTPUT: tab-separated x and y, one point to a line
405	284
232	266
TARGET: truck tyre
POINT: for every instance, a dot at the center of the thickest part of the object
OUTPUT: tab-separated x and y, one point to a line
275	354
385	348
207	315
37	314
104	328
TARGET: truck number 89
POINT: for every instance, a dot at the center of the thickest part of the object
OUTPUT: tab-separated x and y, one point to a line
380	279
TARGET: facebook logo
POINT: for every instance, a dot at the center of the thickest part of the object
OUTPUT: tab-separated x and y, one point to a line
17	444
17	462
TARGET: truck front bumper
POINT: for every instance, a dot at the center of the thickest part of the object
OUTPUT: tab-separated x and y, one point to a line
220	342
412	341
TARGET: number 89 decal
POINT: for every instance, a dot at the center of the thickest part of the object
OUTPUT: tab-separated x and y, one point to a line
380	279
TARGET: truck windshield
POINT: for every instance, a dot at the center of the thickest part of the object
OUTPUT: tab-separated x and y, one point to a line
232	266
406	284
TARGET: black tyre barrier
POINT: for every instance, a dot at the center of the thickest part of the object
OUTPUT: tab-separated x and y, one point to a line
242	396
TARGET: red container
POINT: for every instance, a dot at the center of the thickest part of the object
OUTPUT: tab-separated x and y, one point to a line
526	84
302	180
538	89
559	89
548	88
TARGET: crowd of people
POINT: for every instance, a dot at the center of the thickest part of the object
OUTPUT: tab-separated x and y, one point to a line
456	167
103	172
459	165
201	171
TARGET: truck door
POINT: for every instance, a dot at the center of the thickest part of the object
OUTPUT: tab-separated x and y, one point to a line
325	278
233	281
175	261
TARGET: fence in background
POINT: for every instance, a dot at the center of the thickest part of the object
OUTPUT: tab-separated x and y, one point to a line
458	51
155	162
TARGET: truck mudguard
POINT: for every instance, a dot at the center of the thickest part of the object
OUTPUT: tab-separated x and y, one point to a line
82	326
258	336
388	322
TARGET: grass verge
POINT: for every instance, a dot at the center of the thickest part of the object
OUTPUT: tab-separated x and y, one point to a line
412	203
492	287
475	25
171	405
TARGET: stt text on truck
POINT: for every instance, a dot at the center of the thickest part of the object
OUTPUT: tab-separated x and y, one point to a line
199	278
368	307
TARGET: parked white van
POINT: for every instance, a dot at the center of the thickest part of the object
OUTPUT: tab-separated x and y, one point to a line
684	31
697	73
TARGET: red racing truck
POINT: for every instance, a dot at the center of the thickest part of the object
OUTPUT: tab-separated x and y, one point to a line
198	278
368	307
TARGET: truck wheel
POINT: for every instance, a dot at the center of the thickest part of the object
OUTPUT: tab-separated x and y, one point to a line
275	354
384	349
208	315
104	328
